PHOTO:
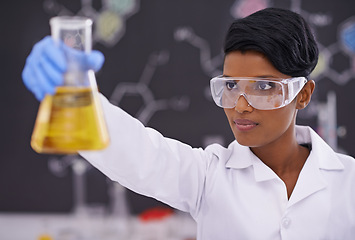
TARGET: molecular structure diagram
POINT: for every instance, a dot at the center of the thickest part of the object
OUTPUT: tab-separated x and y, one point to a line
240	8
109	21
210	65
141	89
345	46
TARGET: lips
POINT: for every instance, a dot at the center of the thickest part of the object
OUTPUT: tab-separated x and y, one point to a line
245	124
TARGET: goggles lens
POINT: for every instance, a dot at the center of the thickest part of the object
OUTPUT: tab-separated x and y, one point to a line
260	93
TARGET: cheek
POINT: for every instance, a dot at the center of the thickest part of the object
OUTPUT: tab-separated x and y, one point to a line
277	122
229	114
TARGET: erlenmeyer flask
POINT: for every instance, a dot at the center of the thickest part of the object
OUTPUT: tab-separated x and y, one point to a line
71	119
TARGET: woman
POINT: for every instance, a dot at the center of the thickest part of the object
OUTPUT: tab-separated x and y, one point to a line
276	181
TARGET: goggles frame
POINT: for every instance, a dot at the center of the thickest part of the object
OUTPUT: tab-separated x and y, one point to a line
290	87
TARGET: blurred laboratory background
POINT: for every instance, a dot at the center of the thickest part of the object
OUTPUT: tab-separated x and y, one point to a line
160	56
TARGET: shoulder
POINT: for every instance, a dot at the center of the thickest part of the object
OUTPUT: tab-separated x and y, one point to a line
340	168
327	158
347	161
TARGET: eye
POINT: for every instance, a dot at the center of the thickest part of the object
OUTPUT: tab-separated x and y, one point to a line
231	85
265	85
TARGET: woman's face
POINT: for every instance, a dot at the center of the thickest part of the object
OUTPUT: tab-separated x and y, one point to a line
252	127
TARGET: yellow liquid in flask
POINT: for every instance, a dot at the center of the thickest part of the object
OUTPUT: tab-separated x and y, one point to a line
69	121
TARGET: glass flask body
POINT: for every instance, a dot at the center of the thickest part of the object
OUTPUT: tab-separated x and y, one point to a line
72	119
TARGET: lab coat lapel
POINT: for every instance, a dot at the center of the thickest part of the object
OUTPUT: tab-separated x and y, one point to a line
322	157
261	171
309	181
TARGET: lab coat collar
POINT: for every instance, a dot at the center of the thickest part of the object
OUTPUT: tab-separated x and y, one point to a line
321	154
324	155
310	180
242	157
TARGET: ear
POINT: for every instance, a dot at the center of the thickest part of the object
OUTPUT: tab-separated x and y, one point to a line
304	97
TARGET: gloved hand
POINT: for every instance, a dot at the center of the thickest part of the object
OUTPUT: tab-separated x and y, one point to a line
46	64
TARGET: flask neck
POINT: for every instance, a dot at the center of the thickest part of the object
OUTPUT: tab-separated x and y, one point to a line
80	78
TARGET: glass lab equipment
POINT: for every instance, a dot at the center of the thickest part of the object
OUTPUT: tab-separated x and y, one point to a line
71	119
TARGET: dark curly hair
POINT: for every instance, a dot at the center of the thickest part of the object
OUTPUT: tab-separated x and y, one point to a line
283	36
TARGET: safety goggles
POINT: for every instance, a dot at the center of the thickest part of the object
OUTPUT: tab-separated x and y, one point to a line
260	93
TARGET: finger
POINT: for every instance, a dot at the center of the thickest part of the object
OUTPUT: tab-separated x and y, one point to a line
38	49
31	62
54	54
45	86
51	72
95	60
38	93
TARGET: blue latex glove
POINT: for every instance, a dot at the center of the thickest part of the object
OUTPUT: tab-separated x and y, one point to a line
46	64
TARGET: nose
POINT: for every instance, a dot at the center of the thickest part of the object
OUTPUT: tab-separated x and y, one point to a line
243	105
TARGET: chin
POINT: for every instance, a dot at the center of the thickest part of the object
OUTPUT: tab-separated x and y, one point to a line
248	141
245	142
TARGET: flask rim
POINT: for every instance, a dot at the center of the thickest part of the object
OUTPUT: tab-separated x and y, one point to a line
70	22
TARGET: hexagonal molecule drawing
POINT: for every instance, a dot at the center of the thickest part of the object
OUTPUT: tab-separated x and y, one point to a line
141	89
344	48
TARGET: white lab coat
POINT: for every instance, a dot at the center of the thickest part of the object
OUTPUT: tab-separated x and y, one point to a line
229	191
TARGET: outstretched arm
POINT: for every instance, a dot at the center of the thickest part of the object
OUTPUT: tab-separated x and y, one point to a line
144	161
